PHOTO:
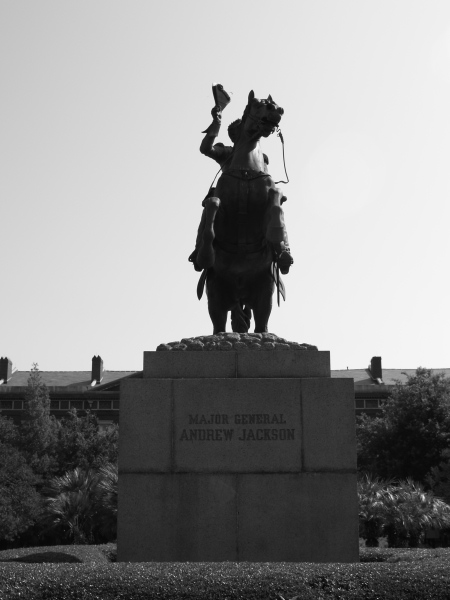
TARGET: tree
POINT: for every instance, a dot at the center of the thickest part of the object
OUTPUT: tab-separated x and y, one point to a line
9	432
38	429
81	504
410	436
20	503
81	444
438	479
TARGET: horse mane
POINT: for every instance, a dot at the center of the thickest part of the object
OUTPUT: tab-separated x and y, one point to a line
239	123
245	113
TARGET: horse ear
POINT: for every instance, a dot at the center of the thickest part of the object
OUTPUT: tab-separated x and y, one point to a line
270	99
251	96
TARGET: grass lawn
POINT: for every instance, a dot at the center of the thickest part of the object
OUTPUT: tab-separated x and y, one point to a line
87	573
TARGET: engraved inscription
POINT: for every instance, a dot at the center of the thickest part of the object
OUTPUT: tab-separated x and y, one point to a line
208	419
266	435
207	435
242	434
259	419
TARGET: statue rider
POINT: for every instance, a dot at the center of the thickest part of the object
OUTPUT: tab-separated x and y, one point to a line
222	155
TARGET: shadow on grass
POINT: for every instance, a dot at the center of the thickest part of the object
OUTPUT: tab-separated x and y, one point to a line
45	557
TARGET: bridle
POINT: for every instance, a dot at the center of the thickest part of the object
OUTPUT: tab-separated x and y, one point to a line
259	121
279	134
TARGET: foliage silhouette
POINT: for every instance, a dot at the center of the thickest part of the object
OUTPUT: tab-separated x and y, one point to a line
413	431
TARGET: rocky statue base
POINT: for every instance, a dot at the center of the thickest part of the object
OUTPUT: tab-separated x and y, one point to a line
230	454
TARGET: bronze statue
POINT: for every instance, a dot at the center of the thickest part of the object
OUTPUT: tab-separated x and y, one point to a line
242	243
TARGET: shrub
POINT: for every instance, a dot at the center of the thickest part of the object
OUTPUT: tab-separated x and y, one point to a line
375	496
81	506
425	579
402	511
107	498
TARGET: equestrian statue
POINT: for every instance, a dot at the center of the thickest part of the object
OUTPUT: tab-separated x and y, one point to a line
242	244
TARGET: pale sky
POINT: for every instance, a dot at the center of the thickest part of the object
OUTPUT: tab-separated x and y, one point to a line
101	182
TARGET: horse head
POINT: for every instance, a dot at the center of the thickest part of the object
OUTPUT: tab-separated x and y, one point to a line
261	117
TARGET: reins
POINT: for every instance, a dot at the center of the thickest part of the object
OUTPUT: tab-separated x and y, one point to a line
280	135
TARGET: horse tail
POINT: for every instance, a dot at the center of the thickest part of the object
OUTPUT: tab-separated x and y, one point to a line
240	317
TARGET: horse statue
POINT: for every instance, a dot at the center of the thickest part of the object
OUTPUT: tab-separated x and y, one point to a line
242	243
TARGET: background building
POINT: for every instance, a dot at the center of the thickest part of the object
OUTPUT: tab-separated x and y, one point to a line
98	390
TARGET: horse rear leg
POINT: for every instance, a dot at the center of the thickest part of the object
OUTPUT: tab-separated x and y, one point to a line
206	254
262	303
219	301
219	320
240	318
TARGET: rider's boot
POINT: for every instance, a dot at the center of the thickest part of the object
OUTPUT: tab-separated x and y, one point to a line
205	256
193	256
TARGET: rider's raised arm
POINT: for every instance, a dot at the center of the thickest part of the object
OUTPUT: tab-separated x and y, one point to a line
207	145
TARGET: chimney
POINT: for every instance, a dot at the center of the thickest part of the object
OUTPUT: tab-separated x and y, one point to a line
97	370
5	369
375	368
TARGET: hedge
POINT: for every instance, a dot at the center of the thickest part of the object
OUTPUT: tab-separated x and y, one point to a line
415	574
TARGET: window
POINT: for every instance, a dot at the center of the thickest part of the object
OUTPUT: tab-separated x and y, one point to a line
372	403
103	425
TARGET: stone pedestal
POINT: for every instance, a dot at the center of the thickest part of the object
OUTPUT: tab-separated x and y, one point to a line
237	456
